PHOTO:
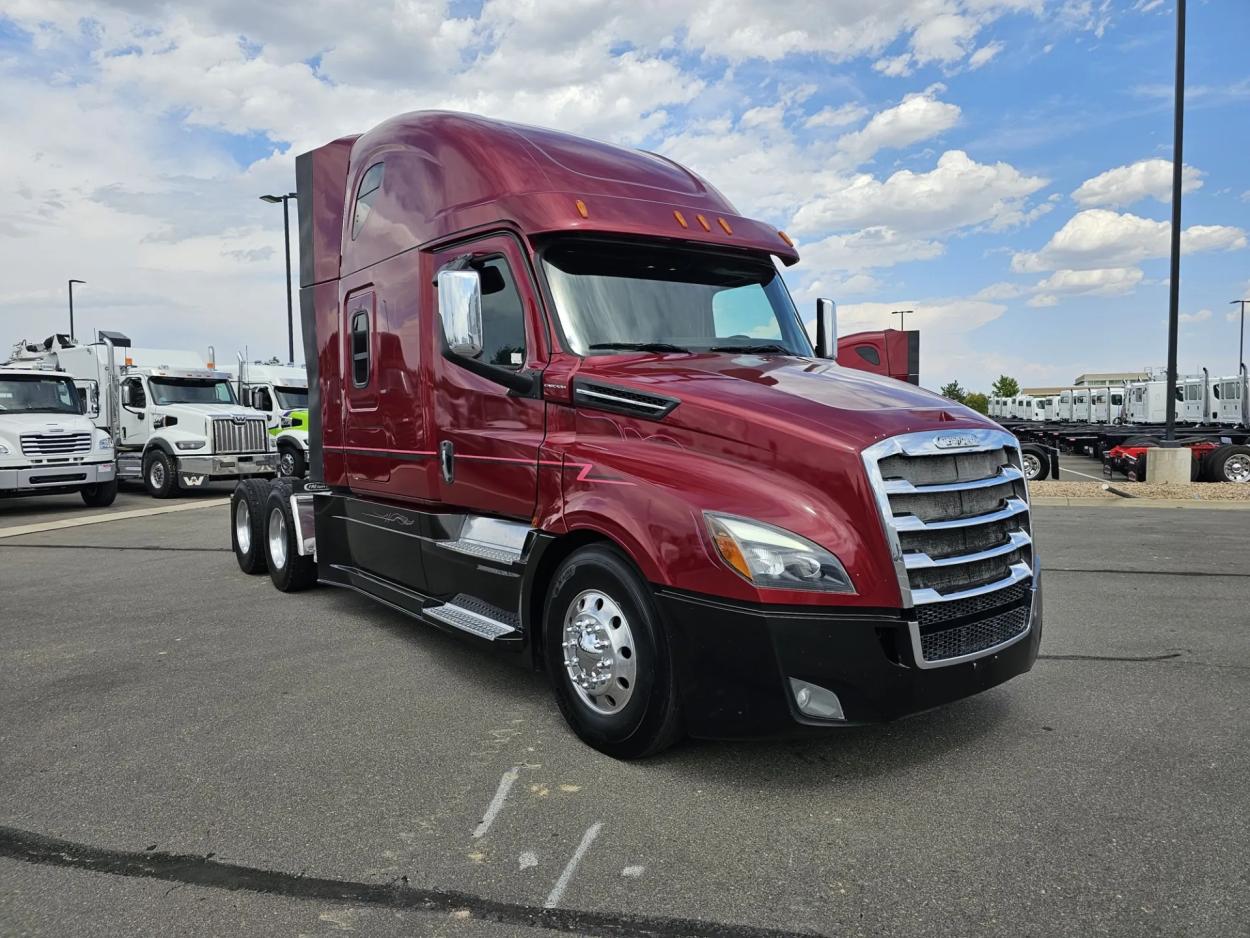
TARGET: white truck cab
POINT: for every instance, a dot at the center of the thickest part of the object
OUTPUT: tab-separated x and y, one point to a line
1230	400
48	445
280	392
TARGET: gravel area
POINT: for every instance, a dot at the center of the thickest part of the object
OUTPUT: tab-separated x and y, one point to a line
1185	491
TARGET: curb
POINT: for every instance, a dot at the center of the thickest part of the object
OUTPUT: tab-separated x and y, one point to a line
1099	501
80	520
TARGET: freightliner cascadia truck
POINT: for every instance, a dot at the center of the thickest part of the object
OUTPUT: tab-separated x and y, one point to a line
561	404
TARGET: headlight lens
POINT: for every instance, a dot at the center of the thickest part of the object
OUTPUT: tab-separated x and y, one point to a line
774	558
106	442
190	444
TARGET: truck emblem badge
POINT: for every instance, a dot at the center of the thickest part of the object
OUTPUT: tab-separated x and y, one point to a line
237	419
954	441
396	518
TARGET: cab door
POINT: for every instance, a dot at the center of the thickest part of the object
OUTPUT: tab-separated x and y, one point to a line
135	428
488	437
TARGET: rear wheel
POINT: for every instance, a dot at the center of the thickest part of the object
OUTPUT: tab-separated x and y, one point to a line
289	571
247	524
1230	464
160	477
608	656
99	495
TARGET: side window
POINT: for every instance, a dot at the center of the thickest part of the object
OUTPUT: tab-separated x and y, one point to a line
360	348
370	186
868	354
262	399
503	315
137	397
1178	394
1215	389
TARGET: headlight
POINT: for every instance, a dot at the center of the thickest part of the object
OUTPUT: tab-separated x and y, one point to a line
190	444
106	442
4	449
774	558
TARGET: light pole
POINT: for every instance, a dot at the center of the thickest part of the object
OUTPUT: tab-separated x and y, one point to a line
1174	286
1241	346
286	233
71	306
902	315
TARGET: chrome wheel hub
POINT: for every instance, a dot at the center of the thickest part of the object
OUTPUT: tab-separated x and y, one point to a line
286	464
157	474
1237	468
599	653
243	526
1032	466
277	538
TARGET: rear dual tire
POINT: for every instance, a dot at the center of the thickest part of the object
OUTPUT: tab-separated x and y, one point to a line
290	571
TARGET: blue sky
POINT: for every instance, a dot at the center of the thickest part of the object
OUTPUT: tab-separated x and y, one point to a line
1000	166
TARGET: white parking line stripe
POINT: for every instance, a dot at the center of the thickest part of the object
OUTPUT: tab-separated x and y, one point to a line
496	803
113	516
557	891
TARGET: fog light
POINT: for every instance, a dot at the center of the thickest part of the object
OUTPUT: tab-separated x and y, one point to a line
815	701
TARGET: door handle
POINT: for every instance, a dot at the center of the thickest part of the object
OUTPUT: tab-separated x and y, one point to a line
446	458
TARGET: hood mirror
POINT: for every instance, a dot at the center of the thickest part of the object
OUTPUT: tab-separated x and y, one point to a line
460	309
827	329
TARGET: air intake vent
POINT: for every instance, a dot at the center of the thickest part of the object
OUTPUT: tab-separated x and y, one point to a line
622	400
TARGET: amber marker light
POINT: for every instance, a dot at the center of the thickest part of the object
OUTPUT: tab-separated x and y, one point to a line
786	238
725	226
703	222
581	208
681	219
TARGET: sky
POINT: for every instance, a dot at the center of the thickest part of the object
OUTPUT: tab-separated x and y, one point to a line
1002	167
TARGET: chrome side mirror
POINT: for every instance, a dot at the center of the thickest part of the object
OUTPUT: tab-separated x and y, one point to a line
827	329
460	309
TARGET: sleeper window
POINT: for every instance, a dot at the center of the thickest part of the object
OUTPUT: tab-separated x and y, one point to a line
868	354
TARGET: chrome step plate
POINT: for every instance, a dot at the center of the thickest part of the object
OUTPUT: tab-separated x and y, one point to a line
469	621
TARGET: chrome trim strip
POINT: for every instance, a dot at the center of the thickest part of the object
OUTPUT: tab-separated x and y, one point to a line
903	487
623	401
922	561
1015	506
1019	573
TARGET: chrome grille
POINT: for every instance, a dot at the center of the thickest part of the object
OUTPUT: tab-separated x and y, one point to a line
55	444
956	512
246	436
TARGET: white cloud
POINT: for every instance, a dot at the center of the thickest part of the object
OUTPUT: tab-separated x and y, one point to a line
839	116
896	66
999	291
1201	315
1101	238
875	246
917	117
984	55
1112	281
1124	185
956	193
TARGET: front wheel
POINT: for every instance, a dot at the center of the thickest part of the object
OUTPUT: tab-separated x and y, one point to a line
1035	463
160	477
608	656
1230	463
290	462
99	495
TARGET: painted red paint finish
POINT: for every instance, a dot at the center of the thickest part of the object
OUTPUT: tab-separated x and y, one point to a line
773	438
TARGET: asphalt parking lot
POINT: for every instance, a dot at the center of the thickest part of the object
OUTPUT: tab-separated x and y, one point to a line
186	751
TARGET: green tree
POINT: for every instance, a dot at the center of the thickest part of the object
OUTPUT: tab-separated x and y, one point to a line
978	402
1005	386
953	391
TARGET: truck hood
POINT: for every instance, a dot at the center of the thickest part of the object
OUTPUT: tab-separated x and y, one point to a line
17	424
743	397
208	410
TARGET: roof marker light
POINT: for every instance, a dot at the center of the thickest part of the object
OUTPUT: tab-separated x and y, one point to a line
703	222
725	225
786	238
681	219
581	208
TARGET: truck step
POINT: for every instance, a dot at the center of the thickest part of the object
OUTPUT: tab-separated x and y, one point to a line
475	617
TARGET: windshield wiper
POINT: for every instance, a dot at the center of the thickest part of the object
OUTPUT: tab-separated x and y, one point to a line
640	346
753	349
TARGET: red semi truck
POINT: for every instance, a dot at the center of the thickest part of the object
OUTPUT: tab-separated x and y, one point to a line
561	404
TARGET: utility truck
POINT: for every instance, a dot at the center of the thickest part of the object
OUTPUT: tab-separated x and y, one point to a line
280	392
173	417
48	446
562	405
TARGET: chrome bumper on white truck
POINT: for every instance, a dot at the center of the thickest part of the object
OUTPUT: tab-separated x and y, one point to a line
194	471
31	478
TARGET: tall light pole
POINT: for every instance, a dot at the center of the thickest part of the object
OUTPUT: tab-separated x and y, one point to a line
1174	287
902	315
286	231
1241	346
71	306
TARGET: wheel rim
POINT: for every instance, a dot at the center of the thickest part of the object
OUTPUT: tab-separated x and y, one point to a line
1237	468
599	652
157	474
1032	466
286	464
277	538
243	526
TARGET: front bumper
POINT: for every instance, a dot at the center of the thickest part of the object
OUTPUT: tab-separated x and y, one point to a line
33	478
194	471
735	661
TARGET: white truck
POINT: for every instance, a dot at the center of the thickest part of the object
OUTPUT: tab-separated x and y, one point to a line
174	419
47	445
281	393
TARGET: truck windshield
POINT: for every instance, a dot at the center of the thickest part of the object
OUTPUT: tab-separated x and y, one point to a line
291	398
191	391
35	394
613	297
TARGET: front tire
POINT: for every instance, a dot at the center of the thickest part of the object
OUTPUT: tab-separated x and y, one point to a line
289	571
1035	462
160	476
1230	463
608	656
99	495
291	463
